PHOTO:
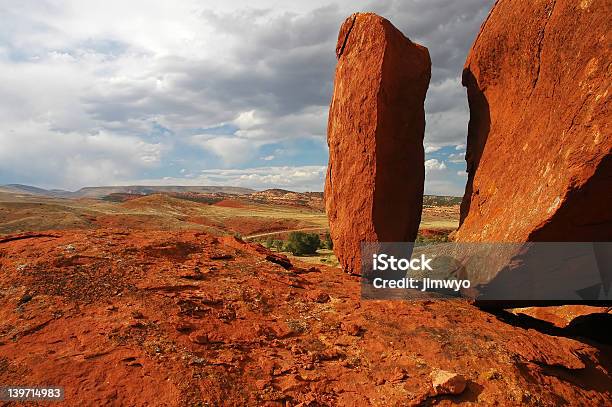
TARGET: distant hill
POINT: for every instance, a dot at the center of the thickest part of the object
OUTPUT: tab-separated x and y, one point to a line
201	193
284	197
441	200
29	190
99	192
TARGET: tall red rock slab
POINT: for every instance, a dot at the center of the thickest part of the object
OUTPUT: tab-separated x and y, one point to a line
374	185
539	137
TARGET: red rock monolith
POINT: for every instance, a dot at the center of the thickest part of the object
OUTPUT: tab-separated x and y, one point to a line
374	185
539	137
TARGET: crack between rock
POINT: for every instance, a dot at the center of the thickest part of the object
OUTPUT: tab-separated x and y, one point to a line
541	45
331	186
346	37
575	116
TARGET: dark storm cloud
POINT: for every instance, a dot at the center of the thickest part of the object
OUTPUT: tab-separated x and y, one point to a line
280	64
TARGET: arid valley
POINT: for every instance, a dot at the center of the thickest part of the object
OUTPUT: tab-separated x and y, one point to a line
160	296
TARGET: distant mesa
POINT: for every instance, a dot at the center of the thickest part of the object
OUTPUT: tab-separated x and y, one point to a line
283	197
227	196
539	139
374	184
99	192
30	190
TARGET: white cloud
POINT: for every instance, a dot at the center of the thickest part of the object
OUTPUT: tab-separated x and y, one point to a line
456	158
71	159
248	120
297	178
434	165
232	150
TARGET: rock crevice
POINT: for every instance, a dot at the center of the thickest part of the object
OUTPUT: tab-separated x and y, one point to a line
345	32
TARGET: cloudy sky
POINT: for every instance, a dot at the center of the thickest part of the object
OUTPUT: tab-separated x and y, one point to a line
204	92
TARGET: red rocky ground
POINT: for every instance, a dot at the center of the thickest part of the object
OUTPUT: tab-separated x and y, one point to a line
183	318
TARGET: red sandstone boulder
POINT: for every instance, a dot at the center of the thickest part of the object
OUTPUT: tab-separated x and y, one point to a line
374	185
539	137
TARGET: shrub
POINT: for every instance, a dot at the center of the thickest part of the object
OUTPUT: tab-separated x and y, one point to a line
301	243
269	242
327	242
278	245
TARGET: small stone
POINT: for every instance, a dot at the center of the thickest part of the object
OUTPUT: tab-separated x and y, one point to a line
205	338
444	382
197	276
197	361
351	328
320	297
137	315
221	256
331	354
184	327
492	375
25	298
399	374
281	260
282	330
262	384
199	338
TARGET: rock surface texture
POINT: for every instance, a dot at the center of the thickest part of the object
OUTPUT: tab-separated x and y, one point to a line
374	185
539	137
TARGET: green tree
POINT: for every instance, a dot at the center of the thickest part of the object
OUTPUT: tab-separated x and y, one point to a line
278	245
269	242
301	243
327	242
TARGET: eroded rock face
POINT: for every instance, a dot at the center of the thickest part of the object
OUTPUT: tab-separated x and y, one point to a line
374	185
539	137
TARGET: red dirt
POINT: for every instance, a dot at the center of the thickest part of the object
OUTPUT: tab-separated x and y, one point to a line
231	203
138	222
122	317
250	226
245	225
433	232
